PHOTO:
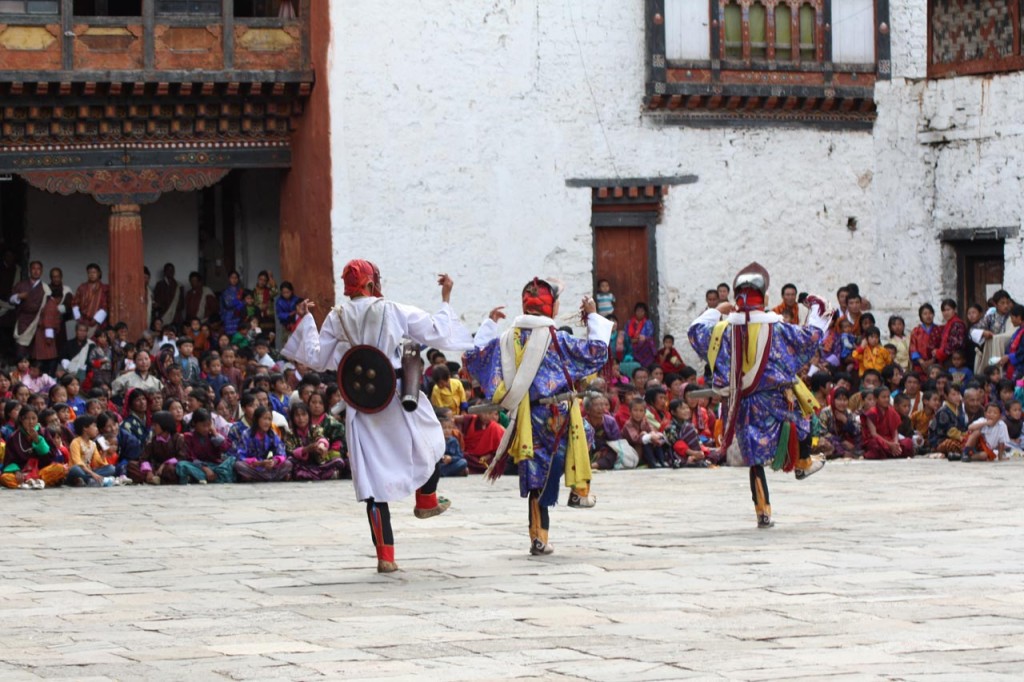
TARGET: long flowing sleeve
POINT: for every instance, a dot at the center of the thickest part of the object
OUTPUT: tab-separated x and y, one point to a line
700	330
321	349
484	364
442	330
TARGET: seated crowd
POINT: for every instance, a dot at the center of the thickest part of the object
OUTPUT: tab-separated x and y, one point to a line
204	396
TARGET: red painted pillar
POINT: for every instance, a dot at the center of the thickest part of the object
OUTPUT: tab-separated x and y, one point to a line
127	282
307	254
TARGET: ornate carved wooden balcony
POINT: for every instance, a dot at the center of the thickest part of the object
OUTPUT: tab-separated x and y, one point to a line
170	41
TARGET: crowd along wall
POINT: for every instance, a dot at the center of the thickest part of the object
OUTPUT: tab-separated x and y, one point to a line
454	128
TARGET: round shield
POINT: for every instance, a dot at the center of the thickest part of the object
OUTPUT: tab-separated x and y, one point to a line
366	379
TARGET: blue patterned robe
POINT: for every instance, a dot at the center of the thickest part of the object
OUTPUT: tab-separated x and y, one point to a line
761	415
582	358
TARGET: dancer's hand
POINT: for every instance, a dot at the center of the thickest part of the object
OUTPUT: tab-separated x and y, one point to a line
446	285
725	307
587	306
303	307
497	314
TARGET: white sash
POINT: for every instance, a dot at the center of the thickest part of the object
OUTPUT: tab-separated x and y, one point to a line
519	379
172	309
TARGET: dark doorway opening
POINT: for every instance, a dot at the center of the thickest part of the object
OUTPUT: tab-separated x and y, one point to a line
979	270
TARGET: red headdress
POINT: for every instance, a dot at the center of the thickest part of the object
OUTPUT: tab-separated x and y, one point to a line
539	297
361	278
750	286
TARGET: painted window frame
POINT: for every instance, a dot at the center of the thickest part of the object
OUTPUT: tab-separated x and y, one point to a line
689	83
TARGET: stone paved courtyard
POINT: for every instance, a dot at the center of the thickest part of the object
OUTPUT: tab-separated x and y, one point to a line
888	570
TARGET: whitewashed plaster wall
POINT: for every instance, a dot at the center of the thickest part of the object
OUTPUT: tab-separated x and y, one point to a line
455	126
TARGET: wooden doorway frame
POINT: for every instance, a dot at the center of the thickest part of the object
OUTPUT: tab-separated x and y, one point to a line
648	220
966	251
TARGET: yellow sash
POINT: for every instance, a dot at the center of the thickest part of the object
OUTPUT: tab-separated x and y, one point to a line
577	453
716	342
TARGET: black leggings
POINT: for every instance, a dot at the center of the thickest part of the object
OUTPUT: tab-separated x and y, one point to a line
379	515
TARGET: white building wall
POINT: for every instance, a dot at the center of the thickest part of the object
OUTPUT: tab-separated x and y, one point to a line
456	125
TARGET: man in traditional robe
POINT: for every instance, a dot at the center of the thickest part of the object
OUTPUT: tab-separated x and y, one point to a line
37	319
765	423
200	301
168	298
65	299
392	452
531	370
92	300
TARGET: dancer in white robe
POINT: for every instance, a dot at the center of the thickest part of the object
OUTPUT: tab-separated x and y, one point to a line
392	452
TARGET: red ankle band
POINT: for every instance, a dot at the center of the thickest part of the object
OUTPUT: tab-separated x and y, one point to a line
426	501
386	552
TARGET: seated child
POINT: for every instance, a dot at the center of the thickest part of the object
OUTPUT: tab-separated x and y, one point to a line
448	391
871	354
702	419
682	437
987	437
1014	418
881	423
87	464
160	455
947	431
657	408
627	394
639	433
205	459
960	373
839	426
668	357
452	462
481	434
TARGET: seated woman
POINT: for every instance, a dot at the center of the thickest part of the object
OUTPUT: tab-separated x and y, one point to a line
641	334
309	449
30	457
261	455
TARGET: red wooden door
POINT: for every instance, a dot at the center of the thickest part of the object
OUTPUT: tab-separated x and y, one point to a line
621	258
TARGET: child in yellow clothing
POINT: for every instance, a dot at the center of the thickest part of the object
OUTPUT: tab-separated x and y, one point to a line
871	354
87	462
447	393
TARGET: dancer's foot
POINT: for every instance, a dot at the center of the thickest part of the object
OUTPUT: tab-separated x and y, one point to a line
816	466
582	502
386	566
764	521
442	505
538	548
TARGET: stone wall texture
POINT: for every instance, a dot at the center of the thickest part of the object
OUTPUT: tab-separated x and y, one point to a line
454	127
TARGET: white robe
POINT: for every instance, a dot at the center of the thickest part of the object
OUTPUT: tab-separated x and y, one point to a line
391	452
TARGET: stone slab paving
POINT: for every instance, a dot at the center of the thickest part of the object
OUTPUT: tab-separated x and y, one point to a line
907	570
